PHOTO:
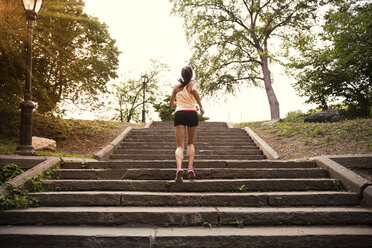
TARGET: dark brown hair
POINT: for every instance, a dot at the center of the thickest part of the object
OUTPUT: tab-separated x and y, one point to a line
186	74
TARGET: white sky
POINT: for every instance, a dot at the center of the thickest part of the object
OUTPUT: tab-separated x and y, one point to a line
144	29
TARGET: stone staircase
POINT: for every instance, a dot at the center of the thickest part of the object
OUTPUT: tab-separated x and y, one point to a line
238	199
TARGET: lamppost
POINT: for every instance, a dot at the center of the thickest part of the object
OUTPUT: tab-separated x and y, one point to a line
32	8
144	81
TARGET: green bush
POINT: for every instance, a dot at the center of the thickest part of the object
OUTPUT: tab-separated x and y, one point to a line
8	171
16	198
295	116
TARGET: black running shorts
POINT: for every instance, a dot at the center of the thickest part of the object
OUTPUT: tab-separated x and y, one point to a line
186	118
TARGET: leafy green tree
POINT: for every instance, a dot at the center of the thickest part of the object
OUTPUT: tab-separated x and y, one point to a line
73	54
232	40
338	66
166	112
129	93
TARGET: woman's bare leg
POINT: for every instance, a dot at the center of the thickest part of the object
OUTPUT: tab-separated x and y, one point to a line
180	141
191	131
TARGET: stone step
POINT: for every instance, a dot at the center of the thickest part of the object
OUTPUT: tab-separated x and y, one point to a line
210	132
199	185
255	156
199	146
196	143
113	237
201	124
202	173
125	164
186	216
236	199
172	138
170	151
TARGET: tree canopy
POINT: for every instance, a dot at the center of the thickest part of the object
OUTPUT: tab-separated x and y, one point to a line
128	93
338	66
73	54
232	40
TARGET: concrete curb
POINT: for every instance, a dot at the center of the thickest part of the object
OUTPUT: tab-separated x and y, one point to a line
269	152
148	124
29	174
229	125
350	180
106	152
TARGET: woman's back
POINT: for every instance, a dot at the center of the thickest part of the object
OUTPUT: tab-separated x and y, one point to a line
185	99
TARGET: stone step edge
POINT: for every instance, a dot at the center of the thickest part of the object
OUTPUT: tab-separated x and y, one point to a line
95	236
125	163
189	216
247	199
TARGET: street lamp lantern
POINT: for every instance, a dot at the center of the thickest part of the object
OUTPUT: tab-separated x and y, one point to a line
32	5
32	8
145	79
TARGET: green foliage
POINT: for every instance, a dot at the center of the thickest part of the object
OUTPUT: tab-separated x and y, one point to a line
36	181
166	112
7	147
239	223
229	37
16	198
231	40
338	64
324	134
129	94
62	129
73	55
9	171
60	154
295	116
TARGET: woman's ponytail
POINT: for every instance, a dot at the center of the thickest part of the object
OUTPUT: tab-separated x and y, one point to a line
186	74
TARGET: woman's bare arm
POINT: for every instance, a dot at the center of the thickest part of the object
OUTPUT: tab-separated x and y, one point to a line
173	97
197	98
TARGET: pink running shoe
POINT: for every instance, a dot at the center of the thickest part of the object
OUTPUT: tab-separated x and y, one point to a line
179	175
191	173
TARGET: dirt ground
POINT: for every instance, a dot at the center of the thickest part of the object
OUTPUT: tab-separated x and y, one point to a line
295	148
91	145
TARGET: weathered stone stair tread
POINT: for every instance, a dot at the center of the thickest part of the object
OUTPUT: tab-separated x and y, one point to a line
210	133
262	184
200	138
145	216
202	173
247	199
170	145
196	143
98	236
162	150
121	164
197	156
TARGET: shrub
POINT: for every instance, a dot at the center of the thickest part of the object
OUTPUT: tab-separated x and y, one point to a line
8	171
16	198
295	116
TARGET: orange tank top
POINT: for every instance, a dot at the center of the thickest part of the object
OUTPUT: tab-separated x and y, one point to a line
185	100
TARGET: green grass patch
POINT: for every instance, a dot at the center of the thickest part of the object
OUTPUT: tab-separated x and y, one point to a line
326	134
60	154
63	129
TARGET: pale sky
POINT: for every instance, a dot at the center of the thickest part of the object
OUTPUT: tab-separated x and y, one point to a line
144	29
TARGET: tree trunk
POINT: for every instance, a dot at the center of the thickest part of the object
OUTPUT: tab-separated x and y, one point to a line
274	104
